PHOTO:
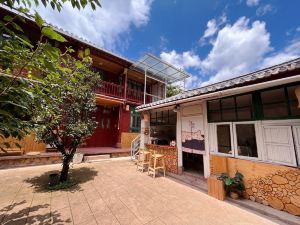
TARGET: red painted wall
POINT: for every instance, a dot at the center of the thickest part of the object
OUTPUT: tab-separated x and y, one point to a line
124	122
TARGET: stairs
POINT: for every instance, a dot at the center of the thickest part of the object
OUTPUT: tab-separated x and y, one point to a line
96	158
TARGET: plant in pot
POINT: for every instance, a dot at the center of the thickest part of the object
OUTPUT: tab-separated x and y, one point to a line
234	186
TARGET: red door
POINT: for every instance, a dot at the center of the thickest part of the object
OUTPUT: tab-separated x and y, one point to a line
106	133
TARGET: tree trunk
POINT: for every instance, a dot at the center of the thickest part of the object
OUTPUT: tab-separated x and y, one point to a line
65	170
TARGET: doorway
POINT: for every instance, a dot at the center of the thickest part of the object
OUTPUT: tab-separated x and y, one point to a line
193	163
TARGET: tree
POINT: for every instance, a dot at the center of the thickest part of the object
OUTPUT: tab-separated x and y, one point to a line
173	90
65	107
19	60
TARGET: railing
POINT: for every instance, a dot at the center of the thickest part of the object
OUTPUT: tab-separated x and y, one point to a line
116	90
134	148
135	96
110	89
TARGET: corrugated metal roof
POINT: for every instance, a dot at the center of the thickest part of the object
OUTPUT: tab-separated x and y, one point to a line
227	84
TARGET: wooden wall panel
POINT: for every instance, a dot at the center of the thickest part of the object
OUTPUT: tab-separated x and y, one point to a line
28	144
126	139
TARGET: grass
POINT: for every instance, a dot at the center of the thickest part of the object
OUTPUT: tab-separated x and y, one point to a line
63	185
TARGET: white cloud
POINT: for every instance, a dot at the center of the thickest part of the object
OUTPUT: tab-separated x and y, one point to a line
213	26
238	49
264	9
163	43
252	2
298	29
290	52
108	26
185	60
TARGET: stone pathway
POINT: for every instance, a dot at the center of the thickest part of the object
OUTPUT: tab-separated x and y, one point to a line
110	192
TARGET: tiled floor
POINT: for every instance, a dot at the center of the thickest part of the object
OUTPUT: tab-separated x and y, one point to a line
110	192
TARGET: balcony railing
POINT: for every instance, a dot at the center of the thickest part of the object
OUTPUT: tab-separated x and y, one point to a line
110	89
117	91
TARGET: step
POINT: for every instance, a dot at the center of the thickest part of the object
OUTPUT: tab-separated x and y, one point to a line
96	158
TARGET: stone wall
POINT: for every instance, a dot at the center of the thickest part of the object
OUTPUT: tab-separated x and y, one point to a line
280	190
170	154
269	184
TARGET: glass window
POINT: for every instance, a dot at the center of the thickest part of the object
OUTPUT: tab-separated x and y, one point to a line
244	101
135	120
228	115
214	105
246	140
295	111
224	138
227	103
274	103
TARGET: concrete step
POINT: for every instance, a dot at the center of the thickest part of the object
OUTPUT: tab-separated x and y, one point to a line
96	158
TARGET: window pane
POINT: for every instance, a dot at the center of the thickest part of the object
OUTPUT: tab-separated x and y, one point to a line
243	101
244	113
214	116
228	115
227	103
224	138
246	140
214	105
295	111
276	110
271	96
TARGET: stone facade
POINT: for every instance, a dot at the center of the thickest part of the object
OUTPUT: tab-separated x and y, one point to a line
280	190
170	153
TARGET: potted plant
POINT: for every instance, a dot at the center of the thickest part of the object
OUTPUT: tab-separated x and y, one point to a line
234	186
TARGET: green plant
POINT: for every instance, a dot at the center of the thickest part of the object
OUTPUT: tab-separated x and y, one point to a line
233	184
63	185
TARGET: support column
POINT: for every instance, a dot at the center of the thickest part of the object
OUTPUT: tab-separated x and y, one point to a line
178	141
206	161
145	130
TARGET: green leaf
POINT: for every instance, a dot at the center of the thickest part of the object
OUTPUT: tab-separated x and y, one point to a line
87	52
50	33
38	19
7	18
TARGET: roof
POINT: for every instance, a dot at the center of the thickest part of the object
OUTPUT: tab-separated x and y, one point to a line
244	80
160	69
70	35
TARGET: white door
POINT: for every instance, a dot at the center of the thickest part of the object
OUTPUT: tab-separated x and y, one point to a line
279	146
296	131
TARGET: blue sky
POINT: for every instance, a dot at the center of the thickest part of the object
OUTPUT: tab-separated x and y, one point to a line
214	40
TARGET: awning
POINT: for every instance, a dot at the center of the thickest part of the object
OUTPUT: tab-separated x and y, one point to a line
156	68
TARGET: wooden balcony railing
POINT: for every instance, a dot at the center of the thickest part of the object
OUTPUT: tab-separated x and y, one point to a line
110	89
117	91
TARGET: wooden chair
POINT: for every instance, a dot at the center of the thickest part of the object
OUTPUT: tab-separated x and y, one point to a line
142	160
156	162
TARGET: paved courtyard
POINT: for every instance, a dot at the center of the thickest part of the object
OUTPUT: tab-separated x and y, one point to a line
110	192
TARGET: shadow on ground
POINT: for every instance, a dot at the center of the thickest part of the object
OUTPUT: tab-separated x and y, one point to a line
80	175
21	213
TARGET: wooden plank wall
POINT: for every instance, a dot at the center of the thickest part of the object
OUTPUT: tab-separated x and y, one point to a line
126	139
29	144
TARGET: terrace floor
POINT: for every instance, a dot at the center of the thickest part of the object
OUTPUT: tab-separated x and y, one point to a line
111	192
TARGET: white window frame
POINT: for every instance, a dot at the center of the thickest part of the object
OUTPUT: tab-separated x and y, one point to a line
236	155
296	129
216	152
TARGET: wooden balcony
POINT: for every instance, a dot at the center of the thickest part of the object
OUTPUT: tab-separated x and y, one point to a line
117	91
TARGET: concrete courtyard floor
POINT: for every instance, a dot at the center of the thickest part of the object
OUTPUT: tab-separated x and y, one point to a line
110	192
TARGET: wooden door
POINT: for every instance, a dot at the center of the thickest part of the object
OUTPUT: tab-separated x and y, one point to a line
106	133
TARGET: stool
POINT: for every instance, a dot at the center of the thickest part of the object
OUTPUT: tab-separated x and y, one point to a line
143	159
156	162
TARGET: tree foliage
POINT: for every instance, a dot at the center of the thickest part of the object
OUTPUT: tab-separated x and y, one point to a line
64	110
173	90
20	59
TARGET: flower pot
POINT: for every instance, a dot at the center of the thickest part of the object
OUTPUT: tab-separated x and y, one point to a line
53	179
234	195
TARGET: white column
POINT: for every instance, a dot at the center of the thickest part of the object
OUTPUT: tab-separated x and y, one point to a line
145	130
206	162
178	141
